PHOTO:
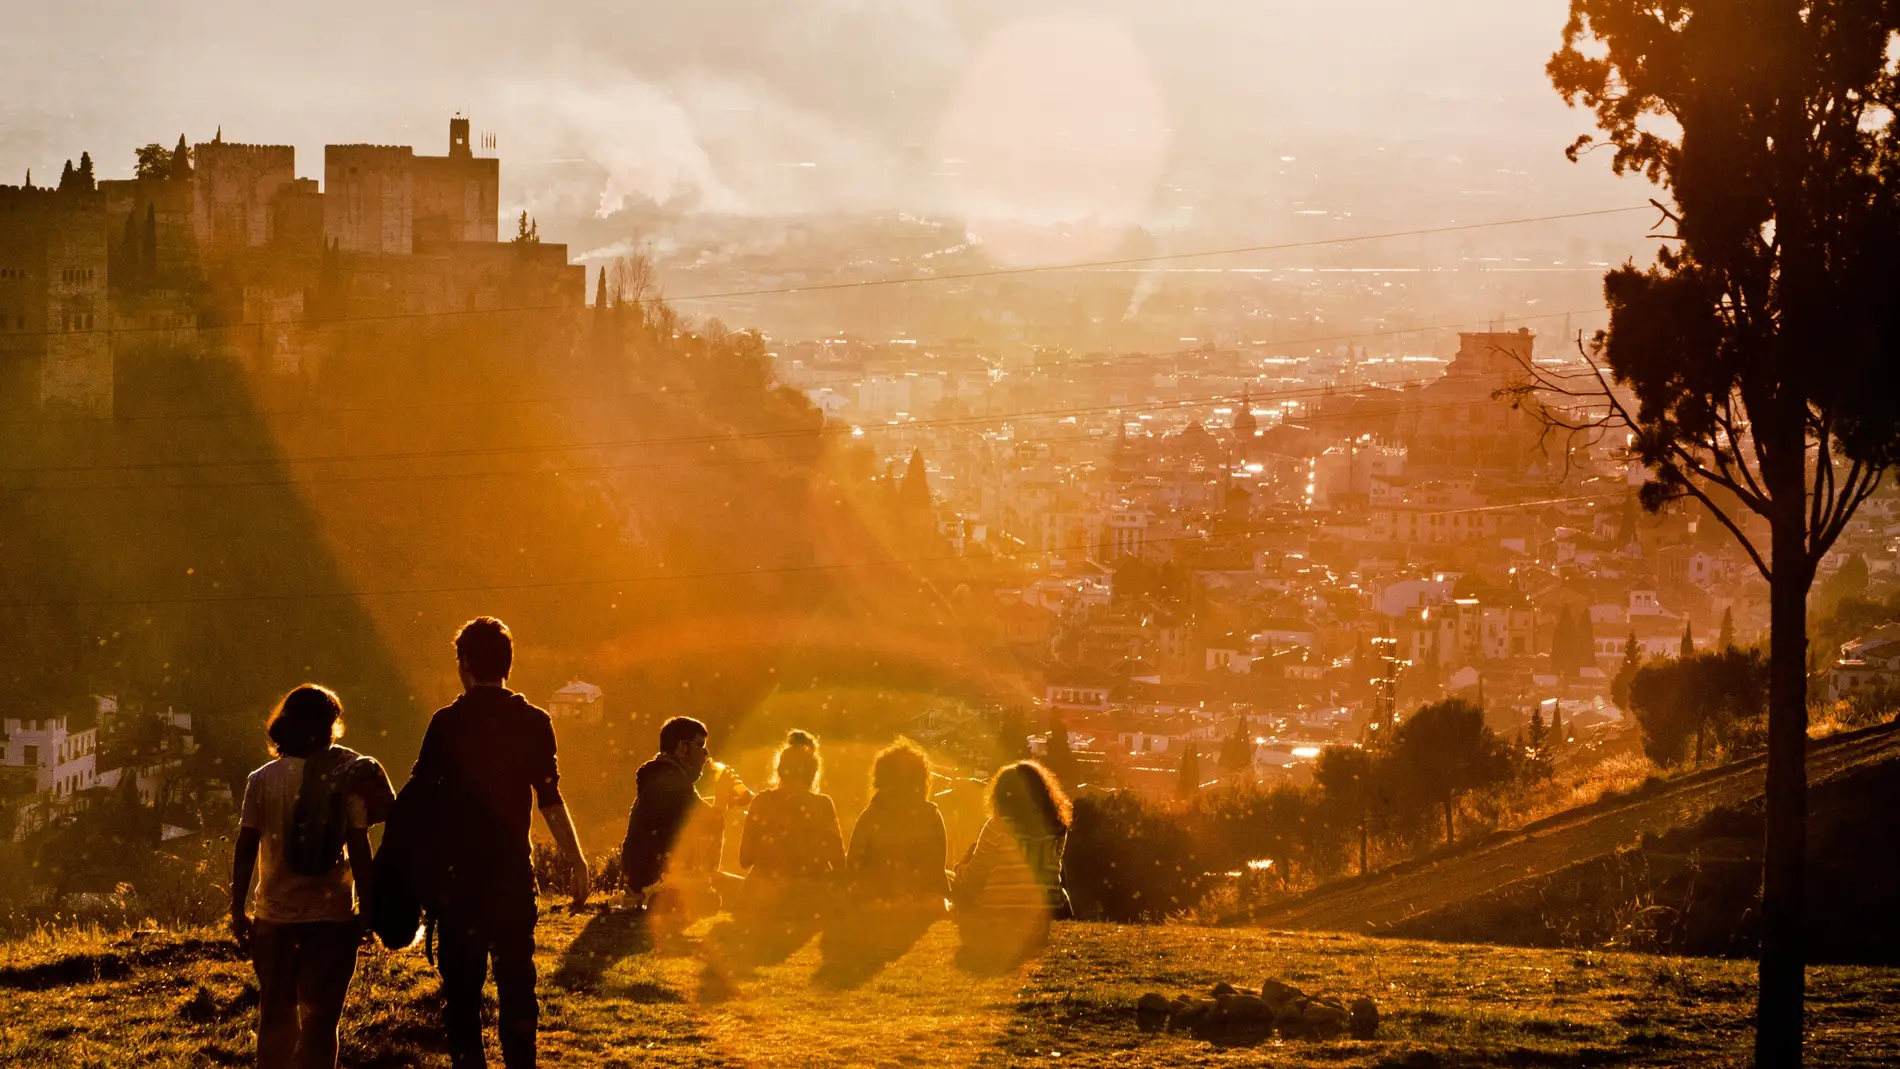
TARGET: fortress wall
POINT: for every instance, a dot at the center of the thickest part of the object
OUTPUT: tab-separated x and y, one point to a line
369	198
234	186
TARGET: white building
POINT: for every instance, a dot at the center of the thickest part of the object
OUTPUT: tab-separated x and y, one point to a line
577	703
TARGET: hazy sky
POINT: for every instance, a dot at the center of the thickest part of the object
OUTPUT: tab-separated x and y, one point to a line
1150	110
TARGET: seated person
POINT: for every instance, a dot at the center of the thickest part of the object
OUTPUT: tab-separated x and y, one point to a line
670	858
894	876
1009	886
791	846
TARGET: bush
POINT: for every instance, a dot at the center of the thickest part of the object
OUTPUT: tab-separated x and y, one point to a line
1131	859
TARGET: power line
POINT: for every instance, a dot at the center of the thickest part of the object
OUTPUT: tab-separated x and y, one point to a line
388	317
660	577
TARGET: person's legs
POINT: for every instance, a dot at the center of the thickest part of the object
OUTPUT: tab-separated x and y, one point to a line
518	1013
274	956
461	954
326	961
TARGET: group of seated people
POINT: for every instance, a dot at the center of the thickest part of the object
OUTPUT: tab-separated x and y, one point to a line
800	875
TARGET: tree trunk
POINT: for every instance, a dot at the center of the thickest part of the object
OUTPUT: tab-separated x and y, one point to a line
1779	1006
1448	820
1364	834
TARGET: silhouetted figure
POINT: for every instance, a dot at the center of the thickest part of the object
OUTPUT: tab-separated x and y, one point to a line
894	876
302	813
491	755
1009	886
791	849
670	858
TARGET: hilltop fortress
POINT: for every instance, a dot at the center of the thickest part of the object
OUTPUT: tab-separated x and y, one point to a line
230	254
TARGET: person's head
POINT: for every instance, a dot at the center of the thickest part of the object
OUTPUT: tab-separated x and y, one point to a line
901	771
684	740
306	721
484	652
1028	798
798	762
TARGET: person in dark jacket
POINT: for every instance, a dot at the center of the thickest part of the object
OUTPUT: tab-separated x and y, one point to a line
491	756
670	857
894	878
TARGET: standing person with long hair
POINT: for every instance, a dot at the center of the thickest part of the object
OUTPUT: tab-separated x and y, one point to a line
1009	886
304	813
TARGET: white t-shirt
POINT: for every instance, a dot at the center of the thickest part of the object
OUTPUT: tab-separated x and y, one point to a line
284	895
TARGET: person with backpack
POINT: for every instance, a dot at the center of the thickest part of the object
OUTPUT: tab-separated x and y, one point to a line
488	761
1009	886
303	813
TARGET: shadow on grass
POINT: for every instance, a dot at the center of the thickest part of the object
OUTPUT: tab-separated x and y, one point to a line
858	948
610	937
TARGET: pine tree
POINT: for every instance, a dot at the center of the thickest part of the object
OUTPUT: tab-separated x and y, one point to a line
1725	641
1536	747
1688	641
181	160
1584	642
1057	755
1632	660
1189	780
1563	642
86	181
66	177
600	291
1557	737
914	491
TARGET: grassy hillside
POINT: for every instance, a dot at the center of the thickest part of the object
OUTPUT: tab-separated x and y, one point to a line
182	999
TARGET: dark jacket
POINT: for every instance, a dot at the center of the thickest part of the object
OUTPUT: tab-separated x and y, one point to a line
490	754
663	804
898	850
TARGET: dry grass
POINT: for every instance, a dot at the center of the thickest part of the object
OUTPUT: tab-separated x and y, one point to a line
1574	787
183	999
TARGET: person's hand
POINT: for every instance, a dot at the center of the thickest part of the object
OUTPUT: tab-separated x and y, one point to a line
241	929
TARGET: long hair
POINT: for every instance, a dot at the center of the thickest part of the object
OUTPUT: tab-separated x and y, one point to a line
1030	800
308	719
798	762
902	770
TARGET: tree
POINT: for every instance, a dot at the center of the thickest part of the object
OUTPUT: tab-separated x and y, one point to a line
181	160
600	291
1189	779
1632	660
1563	644
1753	362
89	183
154	161
1537	747
1445	750
1236	752
1688	641
914	491
1057	755
1685	705
527	231
1725	639
1345	776
1584	640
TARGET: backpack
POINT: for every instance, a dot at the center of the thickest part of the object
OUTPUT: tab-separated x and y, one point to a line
319	820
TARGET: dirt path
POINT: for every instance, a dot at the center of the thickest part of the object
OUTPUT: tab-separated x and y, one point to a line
1560	841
